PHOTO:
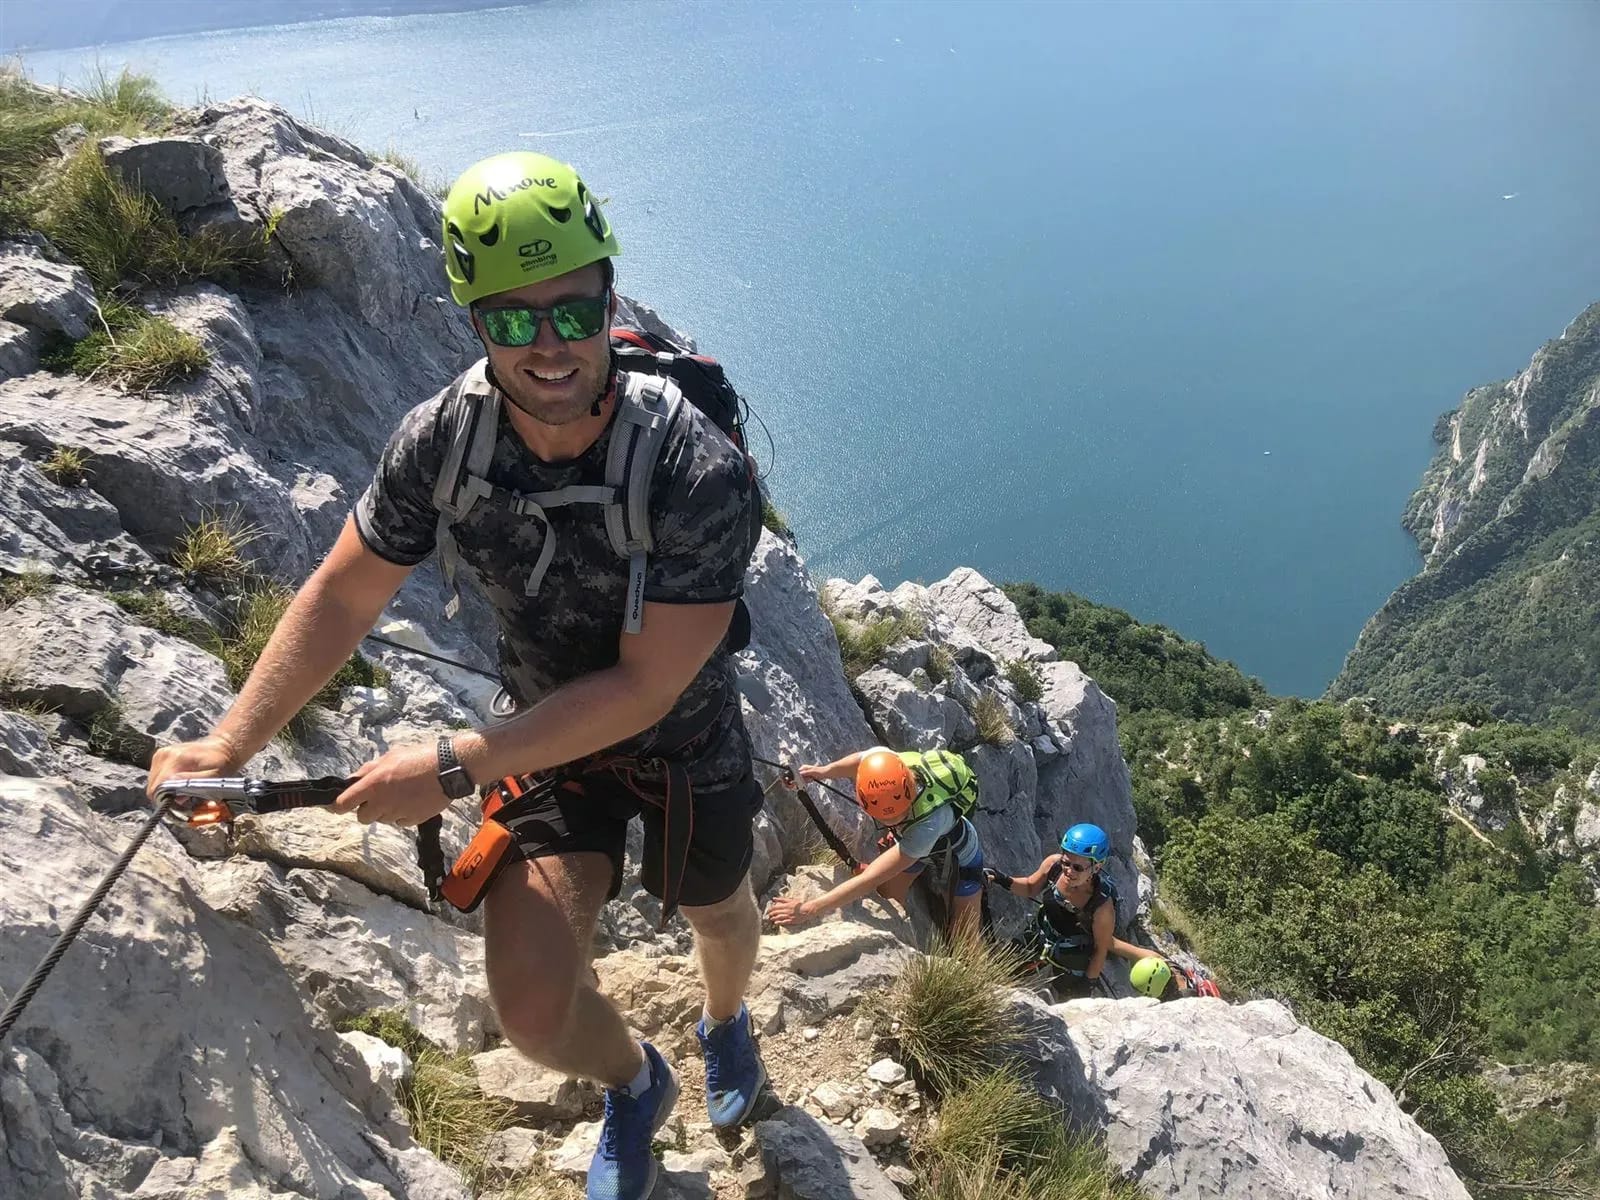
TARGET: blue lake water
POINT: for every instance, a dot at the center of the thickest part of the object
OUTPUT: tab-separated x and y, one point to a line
1153	302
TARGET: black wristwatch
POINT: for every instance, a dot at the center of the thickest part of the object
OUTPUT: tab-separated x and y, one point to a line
453	777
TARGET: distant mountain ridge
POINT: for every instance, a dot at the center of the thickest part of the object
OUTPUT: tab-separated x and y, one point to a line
27	26
1506	611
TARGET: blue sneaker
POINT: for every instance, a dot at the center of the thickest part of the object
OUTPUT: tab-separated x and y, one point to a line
623	1167
734	1071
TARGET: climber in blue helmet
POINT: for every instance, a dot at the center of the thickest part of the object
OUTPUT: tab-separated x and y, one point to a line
1075	923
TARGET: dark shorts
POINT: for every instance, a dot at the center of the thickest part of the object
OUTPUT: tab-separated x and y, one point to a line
569	821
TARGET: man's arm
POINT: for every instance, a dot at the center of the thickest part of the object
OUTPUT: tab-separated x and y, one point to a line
318	631
326	620
604	707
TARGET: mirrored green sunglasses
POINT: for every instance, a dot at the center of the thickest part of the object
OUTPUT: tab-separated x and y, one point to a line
573	320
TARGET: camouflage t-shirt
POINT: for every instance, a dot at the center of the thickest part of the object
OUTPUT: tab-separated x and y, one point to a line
701	519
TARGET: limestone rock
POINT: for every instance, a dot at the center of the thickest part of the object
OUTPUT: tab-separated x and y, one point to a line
879	1127
910	719
805	1159
989	615
157	1100
69	533
390	1065
887	1072
178	173
351	951
19	349
537	1093
835	1100
571	1158
1203	1099
43	295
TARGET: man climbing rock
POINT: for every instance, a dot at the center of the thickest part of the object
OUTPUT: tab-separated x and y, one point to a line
614	586
923	799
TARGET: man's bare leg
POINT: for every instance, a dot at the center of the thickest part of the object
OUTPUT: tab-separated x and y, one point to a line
539	923
727	937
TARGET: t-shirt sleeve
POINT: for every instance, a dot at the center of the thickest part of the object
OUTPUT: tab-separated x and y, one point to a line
395	516
917	840
701	519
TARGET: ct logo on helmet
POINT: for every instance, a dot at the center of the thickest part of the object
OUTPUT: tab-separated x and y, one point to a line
534	249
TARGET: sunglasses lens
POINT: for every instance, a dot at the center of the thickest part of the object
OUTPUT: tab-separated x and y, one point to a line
510	326
576	320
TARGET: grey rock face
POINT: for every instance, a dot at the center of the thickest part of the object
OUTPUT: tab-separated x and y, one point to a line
68	533
804	1159
156	1099
1201	1099
537	1093
982	609
43	295
179	173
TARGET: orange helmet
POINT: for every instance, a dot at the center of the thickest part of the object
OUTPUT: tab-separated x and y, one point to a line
884	786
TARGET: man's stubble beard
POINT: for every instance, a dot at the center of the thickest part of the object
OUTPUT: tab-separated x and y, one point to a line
553	413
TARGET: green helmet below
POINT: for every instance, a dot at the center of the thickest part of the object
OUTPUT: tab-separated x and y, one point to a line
516	219
1150	976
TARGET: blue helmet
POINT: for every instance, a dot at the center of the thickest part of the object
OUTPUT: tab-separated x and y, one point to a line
1087	840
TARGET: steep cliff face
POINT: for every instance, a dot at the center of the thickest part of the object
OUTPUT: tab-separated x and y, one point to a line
1506	610
184	1048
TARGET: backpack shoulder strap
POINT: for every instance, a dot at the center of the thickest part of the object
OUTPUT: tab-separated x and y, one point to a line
647	406
472	411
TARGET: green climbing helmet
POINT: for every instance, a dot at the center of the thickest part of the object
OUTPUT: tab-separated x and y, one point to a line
1150	976
516	219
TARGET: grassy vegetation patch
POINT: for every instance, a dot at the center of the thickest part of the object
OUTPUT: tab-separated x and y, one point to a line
450	1116
997	1139
255	617
212	550
994	723
121	236
862	643
155	610
67	466
955	1022
133	348
23	585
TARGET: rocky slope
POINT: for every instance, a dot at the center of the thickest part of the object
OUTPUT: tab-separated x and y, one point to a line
184	1047
1505	610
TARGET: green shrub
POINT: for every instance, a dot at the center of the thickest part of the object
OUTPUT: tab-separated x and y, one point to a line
212	550
121	236
67	466
133	348
955	1019
994	725
1138	664
772	517
940	663
1025	679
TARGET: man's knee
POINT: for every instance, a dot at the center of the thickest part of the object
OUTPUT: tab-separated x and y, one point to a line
733	917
